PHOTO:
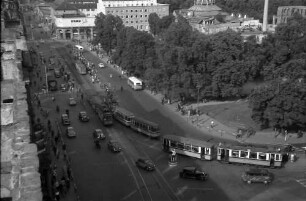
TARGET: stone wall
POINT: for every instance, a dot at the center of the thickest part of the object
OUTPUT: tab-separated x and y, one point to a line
20	177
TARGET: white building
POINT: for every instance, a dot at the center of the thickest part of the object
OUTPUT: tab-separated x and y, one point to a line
75	18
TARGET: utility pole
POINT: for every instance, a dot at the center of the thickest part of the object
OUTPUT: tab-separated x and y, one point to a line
198	87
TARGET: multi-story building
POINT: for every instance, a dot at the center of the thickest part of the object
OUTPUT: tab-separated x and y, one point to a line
134	13
75	18
285	12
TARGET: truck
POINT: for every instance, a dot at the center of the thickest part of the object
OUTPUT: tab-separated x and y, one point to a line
80	68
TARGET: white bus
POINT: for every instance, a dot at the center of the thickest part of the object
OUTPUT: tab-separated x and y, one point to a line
135	83
79	47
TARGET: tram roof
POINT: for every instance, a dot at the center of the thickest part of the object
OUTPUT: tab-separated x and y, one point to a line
191	141
146	121
252	148
124	111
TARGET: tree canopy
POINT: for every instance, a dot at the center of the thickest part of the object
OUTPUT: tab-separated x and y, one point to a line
181	62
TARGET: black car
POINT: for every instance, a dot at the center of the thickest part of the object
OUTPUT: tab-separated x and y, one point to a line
145	164
83	116
65	120
98	134
193	173
114	146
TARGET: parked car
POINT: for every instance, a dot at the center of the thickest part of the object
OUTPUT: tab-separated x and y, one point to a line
63	87
101	65
98	134
83	116
257	175
114	146
193	173
65	120
145	164
70	132
72	102
57	73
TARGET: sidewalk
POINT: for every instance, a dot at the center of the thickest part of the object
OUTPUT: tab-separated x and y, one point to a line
219	130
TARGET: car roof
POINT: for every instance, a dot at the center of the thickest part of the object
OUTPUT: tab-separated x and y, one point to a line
83	112
98	130
64	115
190	168
257	170
70	127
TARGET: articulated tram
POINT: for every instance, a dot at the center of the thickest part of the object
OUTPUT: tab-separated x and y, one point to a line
263	156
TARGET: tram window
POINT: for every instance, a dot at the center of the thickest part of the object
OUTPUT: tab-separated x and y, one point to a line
277	157
195	149
180	146
173	144
235	153
253	155
262	156
188	147
243	154
207	151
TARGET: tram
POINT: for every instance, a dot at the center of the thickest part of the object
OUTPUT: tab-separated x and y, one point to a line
123	116
259	156
272	156
145	127
189	147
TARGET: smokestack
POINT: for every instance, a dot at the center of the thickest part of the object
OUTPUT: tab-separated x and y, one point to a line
265	16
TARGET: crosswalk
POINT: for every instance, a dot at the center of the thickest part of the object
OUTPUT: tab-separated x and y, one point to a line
302	182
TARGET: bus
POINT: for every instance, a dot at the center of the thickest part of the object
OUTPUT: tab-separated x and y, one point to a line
145	127
135	83
123	116
190	147
79	47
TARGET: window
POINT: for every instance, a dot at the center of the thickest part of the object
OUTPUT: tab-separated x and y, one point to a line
131	21
173	144
253	155
140	15
235	154
277	157
146	15
243	154
136	16
131	11
136	11
126	16
87	9
131	16
207	151
188	147
194	148
126	22
180	146
262	156
136	22
145	10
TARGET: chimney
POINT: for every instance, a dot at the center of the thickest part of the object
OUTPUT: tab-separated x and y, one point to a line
265	16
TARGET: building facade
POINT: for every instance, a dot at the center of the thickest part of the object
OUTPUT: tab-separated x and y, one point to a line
133	13
285	12
74	19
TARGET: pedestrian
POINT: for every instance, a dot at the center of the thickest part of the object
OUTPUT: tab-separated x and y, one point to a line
53	98
67	183
56	138
38	103
67	112
54	148
69	173
64	147
57	195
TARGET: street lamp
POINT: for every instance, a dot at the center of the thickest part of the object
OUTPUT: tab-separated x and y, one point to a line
198	87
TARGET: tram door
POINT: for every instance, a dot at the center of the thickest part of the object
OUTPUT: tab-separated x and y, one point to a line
166	144
224	154
272	160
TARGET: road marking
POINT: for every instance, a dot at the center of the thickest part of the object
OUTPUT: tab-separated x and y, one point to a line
302	182
185	188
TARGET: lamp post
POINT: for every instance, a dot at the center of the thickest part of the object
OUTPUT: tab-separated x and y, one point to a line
198	87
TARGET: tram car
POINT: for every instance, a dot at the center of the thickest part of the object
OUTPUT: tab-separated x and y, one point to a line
259	156
248	155
190	147
123	116
146	127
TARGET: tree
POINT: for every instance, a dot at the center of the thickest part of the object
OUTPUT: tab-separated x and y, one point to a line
154	22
